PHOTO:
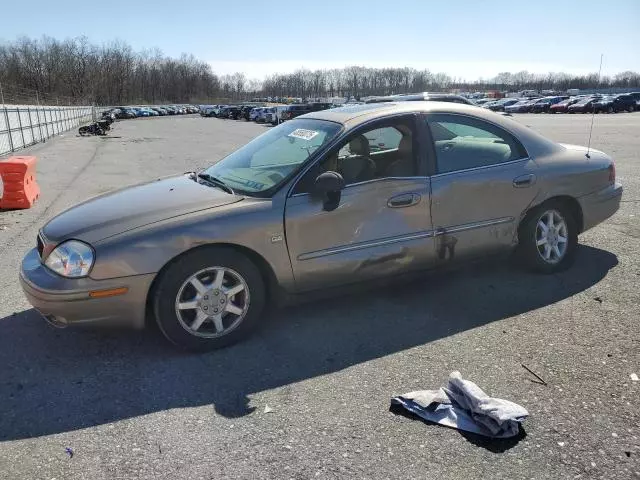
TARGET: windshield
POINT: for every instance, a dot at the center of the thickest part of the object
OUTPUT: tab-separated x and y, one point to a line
269	159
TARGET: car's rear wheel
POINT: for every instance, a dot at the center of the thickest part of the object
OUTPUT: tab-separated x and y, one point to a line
209	298
548	237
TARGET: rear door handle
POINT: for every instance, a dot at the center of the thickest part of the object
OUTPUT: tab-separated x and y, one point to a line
404	200
524	180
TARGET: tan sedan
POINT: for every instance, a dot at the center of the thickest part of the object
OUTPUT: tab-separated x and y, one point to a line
328	199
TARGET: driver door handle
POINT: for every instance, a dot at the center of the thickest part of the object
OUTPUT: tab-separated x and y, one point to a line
524	180
403	200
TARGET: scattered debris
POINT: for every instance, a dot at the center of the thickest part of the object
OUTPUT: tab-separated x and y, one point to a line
268	409
614	434
628	454
464	406
561	444
69	451
541	380
634	377
159	447
598	299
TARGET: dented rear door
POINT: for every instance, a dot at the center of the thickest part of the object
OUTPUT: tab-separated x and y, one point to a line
483	182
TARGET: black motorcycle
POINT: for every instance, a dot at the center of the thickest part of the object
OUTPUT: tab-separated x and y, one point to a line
94	129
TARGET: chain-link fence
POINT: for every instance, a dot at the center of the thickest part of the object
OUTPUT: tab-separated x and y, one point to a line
28	117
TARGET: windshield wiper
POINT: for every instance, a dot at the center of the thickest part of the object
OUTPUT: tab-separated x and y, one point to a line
216	181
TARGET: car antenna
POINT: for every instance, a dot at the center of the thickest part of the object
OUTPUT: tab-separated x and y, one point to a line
593	113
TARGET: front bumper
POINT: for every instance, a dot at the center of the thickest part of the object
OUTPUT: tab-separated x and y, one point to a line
66	301
600	205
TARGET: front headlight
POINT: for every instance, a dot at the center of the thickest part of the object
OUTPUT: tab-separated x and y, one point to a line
72	259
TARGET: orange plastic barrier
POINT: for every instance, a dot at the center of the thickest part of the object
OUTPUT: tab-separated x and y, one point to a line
20	189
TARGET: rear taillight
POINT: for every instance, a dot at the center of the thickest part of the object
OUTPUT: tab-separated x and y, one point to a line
612	172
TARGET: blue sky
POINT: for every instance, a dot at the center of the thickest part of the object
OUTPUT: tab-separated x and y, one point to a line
467	38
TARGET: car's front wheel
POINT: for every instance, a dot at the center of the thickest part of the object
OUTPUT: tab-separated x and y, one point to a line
209	298
548	237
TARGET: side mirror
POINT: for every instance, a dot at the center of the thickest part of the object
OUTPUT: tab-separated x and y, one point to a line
328	186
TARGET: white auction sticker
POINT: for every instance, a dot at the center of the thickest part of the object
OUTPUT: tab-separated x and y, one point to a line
303	134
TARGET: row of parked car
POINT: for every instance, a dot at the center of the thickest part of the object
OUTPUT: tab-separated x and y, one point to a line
147	111
274	114
627	102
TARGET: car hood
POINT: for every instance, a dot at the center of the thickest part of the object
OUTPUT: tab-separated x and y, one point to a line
134	207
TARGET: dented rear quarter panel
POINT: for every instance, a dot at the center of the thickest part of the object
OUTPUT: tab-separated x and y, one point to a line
569	172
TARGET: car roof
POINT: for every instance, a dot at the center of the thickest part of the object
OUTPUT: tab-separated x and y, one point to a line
419	97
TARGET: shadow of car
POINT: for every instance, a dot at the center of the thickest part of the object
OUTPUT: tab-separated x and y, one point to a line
57	382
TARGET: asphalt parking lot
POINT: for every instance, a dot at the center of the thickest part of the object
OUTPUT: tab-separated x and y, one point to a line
128	405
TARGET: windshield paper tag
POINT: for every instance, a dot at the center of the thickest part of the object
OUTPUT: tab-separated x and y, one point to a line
303	134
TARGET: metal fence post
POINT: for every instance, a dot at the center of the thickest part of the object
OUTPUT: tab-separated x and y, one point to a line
33	136
39	124
46	125
6	119
20	125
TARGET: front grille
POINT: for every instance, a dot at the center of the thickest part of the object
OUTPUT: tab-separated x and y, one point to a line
40	245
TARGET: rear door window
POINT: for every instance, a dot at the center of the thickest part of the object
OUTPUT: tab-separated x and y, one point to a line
462	143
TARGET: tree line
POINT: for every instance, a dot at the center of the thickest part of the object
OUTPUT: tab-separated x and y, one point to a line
109	74
114	74
361	81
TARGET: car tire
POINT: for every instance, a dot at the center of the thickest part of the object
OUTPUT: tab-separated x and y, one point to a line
532	240
179	307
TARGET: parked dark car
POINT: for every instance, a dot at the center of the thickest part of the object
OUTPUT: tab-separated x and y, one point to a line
245	111
318	106
293	111
615	104
124	112
636	97
543	105
563	106
499	105
234	113
228	111
424	96
583	106
523	106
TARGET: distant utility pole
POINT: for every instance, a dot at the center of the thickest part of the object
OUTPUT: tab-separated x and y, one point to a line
1	94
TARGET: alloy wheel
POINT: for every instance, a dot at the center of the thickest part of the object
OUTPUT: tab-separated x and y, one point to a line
552	237
212	302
